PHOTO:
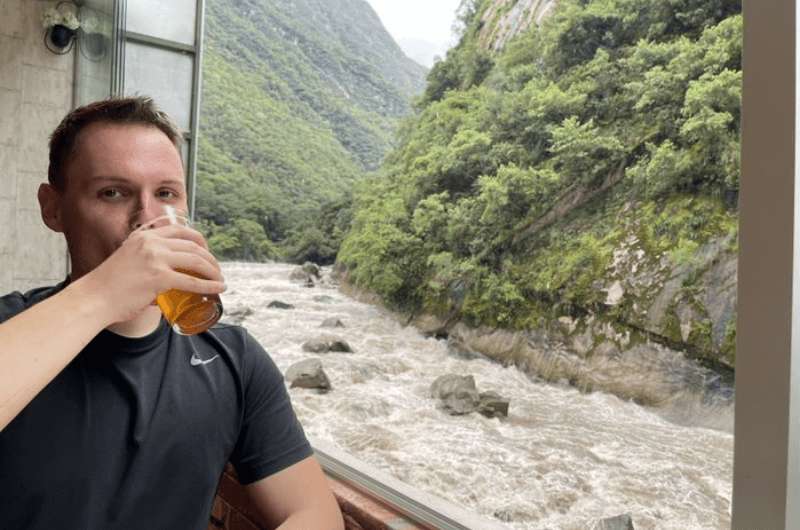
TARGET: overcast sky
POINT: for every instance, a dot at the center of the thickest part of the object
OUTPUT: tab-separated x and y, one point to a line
421	27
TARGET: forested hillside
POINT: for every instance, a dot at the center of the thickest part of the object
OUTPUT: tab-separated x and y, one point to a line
584	177
300	99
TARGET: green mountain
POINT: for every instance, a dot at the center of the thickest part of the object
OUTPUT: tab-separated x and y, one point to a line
580	180
300	100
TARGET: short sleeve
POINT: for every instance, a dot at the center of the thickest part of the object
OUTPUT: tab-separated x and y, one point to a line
15	303
11	305
271	438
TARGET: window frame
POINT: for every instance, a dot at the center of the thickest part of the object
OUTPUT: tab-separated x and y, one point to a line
196	50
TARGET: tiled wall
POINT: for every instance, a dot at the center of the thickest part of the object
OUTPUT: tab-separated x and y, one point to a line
35	93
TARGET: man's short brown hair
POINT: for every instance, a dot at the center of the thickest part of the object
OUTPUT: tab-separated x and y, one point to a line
127	110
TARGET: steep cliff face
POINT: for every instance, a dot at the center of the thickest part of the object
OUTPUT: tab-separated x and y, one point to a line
682	298
505	19
575	180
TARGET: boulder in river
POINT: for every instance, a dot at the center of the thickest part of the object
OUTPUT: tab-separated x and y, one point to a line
456	393
236	316
298	274
332	322
327	344
619	522
324	299
277	304
308	374
312	269
493	405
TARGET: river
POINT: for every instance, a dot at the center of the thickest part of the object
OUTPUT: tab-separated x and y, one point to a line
561	459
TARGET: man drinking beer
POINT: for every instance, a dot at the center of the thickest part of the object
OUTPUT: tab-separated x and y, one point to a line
108	418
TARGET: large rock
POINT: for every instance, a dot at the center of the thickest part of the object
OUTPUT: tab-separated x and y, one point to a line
327	344
456	393
308	374
620	522
277	304
312	269
493	405
324	299
332	322
236	316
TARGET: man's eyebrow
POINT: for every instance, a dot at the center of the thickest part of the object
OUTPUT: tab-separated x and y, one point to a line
111	178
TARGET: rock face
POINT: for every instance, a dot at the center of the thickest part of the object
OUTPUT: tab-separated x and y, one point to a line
505	19
690	306
308	374
327	344
657	320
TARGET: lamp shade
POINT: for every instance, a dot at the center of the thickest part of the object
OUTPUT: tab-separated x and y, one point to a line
61	36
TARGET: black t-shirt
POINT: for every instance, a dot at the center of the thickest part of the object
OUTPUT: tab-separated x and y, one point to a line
134	433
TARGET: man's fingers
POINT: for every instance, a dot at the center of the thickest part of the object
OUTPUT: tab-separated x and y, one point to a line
190	247
193	284
180	232
192	264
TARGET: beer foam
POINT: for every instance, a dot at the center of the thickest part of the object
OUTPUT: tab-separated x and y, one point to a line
171	214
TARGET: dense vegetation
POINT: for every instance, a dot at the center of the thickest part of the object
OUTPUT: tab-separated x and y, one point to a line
523	170
300	100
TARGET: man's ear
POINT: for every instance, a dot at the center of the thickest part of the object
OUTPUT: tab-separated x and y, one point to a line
50	204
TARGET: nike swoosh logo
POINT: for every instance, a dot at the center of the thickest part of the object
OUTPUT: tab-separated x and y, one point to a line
196	361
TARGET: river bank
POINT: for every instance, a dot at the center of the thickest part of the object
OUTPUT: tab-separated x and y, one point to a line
599	358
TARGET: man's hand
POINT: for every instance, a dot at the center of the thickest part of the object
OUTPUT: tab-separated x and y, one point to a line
146	264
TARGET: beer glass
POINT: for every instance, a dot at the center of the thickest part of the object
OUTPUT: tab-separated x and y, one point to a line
187	313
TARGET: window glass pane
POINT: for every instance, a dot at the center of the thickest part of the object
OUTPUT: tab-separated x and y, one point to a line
164	75
571	203
173	20
94	45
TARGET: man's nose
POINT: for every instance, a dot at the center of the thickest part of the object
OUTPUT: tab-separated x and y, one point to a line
146	211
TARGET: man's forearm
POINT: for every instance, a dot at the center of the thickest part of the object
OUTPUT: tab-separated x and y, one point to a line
329	519
38	343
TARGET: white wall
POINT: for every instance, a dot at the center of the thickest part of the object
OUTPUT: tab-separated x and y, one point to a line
35	93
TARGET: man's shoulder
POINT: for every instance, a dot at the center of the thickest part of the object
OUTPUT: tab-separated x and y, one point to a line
229	334
16	302
235	339
244	350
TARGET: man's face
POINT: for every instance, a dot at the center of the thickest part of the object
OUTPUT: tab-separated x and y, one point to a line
120	175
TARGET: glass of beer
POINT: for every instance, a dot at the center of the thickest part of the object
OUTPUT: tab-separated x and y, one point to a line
187	313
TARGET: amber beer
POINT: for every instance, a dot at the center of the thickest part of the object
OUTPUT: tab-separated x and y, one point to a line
187	313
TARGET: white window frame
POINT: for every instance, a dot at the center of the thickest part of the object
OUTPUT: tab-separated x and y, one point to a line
765	478
196	50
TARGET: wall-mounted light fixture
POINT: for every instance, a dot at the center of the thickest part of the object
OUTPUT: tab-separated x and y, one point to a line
60	25
67	24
